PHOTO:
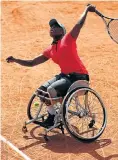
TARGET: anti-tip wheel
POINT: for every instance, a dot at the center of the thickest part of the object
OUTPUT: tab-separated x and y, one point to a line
24	129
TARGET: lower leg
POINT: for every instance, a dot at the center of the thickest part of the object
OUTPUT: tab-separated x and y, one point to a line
51	110
49	121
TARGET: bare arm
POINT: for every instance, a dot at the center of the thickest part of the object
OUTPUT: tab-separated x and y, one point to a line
76	29
29	63
38	60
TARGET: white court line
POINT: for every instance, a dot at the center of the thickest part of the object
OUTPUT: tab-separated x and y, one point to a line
14	148
62	0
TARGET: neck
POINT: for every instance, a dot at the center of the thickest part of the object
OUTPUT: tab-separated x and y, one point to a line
57	38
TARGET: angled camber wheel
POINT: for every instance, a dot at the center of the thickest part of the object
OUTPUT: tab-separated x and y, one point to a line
84	114
36	109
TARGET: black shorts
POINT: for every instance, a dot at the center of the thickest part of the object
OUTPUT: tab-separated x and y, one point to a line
62	82
76	76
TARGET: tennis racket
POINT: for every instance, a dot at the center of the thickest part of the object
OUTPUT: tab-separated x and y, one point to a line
111	25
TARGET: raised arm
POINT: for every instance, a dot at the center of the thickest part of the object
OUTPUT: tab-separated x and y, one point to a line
76	29
29	63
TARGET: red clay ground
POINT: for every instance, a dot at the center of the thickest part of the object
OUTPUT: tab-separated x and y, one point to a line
25	33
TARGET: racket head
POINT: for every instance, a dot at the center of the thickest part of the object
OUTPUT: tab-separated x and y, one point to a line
113	29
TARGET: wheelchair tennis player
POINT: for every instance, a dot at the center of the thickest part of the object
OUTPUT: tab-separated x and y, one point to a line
63	51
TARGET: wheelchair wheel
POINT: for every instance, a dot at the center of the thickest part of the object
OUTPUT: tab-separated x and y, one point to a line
84	114
36	109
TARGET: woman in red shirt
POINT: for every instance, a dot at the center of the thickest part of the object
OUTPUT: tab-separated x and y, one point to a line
63	51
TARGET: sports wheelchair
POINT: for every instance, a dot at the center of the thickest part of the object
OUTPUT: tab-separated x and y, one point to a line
81	112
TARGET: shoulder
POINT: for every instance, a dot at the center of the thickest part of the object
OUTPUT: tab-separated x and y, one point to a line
48	48
68	38
46	52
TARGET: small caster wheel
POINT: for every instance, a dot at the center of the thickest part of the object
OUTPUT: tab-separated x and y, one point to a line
61	128
24	129
46	138
62	131
43	119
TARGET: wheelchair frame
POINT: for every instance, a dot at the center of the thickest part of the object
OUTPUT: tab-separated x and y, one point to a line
59	121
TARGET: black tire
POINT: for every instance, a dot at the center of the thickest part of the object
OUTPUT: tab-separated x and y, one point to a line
77	134
32	111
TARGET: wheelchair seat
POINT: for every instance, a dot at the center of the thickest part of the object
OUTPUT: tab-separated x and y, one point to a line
78	83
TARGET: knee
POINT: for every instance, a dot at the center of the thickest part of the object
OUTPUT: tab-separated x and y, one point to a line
43	88
52	91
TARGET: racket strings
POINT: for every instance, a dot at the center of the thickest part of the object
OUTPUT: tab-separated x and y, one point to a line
113	30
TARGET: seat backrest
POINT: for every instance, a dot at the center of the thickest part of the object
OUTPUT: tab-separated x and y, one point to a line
79	83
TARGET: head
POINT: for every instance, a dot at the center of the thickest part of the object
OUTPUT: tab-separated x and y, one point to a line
56	29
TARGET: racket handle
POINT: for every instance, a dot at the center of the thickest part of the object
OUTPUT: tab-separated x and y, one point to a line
98	13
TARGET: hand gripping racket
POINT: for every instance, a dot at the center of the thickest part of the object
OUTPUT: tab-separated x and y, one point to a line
111	26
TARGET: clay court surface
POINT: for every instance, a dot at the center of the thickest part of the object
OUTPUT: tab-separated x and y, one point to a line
25	34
